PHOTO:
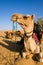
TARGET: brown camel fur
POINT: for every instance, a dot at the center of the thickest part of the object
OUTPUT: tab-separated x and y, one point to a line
27	23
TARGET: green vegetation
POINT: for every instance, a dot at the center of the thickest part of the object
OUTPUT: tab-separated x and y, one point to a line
40	22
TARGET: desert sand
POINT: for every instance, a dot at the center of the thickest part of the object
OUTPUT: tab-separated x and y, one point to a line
9	52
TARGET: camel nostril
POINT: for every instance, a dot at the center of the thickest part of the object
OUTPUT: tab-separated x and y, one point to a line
16	17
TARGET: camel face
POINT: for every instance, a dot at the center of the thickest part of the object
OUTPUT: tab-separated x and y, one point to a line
26	22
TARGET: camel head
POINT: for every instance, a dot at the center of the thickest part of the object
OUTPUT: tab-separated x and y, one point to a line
26	21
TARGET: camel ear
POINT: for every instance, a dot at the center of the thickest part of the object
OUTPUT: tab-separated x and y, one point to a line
32	16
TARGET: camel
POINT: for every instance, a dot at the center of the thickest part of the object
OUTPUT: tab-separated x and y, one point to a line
27	23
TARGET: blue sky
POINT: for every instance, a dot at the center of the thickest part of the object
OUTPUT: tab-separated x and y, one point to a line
9	7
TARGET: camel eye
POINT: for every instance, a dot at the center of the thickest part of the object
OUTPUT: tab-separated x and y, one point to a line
25	17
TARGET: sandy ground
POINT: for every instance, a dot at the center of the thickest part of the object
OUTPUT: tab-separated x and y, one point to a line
9	55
